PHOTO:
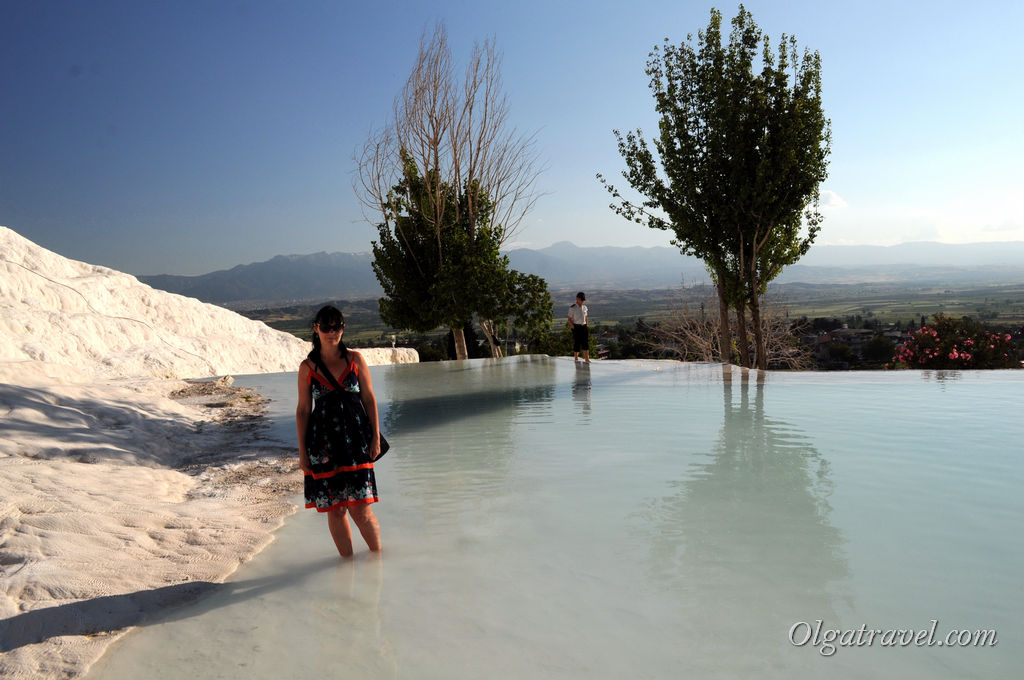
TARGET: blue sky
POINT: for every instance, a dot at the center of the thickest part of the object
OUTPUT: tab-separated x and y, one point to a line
185	136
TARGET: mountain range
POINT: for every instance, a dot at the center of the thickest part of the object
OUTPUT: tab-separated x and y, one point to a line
321	276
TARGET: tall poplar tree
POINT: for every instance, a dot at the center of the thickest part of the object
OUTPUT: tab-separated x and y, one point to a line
735	169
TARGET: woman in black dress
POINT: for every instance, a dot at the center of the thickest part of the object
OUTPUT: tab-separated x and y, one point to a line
339	433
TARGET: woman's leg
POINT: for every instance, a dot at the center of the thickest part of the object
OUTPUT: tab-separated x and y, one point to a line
364	518
337	522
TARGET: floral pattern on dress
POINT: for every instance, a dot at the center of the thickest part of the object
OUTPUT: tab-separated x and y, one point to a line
338	440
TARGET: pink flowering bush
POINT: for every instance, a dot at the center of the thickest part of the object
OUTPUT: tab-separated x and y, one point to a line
951	343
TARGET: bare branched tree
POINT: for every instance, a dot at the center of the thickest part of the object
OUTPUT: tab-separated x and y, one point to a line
693	335
449	138
689	333
456	134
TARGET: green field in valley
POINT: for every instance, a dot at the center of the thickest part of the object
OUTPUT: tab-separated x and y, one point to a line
1001	305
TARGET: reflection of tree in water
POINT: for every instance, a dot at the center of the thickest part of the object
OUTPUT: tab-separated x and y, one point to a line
452	424
746	543
441	394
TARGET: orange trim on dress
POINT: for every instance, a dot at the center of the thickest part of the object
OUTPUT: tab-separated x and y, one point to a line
325	381
344	468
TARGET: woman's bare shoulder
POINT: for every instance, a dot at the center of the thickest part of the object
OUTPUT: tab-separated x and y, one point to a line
359	360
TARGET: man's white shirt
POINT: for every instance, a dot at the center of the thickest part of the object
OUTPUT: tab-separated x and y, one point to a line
578	314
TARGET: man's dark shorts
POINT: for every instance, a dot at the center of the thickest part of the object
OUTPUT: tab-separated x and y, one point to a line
580	338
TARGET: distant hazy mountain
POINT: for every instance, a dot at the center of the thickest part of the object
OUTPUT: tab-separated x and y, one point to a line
919	253
565	265
921	262
284	278
325	276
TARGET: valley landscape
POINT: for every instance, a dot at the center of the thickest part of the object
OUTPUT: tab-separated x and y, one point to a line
895	284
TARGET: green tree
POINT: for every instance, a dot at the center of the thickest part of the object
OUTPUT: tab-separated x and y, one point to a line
839	351
473	174
879	349
407	258
445	277
516	301
735	169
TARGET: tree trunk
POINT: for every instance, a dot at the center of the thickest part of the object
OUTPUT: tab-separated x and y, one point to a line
741	335
759	343
760	351
724	336
459	340
489	332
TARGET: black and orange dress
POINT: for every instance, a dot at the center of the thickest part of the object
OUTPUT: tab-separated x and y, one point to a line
338	438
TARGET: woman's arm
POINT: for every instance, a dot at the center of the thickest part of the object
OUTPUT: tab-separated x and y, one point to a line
369	401
302	415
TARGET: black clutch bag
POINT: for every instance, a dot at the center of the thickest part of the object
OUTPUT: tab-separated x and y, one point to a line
384	448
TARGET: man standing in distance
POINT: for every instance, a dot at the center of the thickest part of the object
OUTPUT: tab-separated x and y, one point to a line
580	331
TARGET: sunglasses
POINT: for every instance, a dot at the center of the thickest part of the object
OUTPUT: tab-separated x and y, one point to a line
334	328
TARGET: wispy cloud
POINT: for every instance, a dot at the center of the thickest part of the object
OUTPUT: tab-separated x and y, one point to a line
1003	227
512	245
830	200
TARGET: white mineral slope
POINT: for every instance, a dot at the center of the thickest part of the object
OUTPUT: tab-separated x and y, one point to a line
117	500
76	322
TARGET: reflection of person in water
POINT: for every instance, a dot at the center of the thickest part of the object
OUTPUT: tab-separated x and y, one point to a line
353	605
581	387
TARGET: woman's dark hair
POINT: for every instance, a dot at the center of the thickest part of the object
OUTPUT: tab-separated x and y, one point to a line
329	315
